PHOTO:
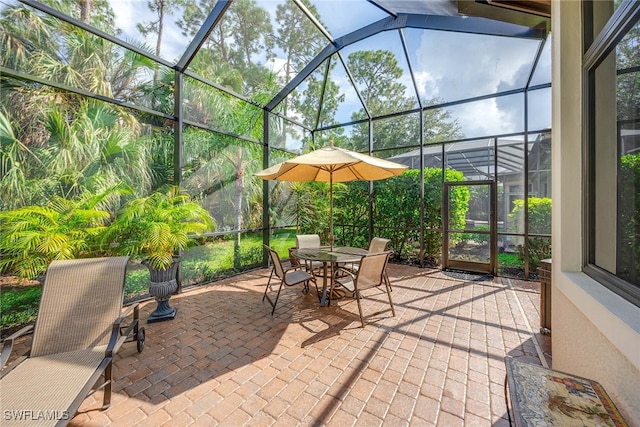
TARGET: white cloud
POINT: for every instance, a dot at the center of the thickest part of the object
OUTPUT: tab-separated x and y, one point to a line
427	83
482	119
490	116
467	65
456	66
125	11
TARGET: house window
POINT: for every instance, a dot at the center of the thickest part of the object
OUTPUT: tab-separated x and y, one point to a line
612	66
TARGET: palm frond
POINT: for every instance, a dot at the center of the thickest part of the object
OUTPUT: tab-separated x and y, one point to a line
157	226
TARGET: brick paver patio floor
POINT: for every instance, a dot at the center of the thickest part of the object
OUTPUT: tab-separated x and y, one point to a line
224	360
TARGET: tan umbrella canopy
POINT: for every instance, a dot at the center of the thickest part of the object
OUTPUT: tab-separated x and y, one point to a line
332	164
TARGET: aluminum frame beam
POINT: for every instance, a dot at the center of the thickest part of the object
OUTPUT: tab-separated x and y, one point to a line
459	24
207	26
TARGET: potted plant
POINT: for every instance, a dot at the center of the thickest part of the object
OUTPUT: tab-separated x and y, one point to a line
155	229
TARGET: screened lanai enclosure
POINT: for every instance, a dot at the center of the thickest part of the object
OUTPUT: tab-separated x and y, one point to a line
106	101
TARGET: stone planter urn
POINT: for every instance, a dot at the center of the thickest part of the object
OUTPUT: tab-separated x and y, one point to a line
162	284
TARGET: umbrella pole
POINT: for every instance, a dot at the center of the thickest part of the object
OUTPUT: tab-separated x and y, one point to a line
331	209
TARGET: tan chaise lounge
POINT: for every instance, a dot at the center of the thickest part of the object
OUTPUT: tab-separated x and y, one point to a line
78	330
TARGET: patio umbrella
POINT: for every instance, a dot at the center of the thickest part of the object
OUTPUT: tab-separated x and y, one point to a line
332	164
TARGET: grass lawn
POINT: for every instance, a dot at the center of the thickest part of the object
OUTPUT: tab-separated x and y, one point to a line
510	260
510	265
19	306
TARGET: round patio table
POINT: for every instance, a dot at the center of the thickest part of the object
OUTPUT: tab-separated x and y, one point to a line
326	255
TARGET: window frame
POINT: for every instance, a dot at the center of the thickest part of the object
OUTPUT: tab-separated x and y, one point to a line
597	48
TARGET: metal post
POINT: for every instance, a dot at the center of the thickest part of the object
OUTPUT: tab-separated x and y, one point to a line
266	223
178	124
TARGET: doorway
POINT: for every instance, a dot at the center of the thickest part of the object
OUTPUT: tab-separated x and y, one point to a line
470	237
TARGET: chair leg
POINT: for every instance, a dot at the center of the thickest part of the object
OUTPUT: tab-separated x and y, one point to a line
276	301
359	306
268	285
387	285
106	401
332	280
266	290
386	279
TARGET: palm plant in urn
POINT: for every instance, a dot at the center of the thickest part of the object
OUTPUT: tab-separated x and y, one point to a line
156	229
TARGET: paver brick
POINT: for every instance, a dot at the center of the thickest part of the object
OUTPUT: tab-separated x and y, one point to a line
369	420
179	419
204	404
177	405
134	417
272	389
410	390
481	409
253	405
204	420
223	408
395	420
427	409
225	360
343	418
447	419
352	405
236	418
302	406
276	407
262	419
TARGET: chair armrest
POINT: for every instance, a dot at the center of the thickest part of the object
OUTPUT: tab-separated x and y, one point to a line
127	311
292	268
117	337
346	271
347	279
7	346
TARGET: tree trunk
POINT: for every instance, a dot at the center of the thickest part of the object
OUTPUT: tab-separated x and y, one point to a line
160	26
85	10
161	7
239	193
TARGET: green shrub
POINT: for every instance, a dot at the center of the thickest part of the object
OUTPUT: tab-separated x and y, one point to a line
251	255
396	211
539	249
432	247
311	207
539	223
19	307
136	282
539	215
478	237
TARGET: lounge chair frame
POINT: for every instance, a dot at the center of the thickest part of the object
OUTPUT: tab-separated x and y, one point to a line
120	332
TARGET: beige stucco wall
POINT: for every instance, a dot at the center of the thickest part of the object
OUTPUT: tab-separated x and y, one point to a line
595	333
